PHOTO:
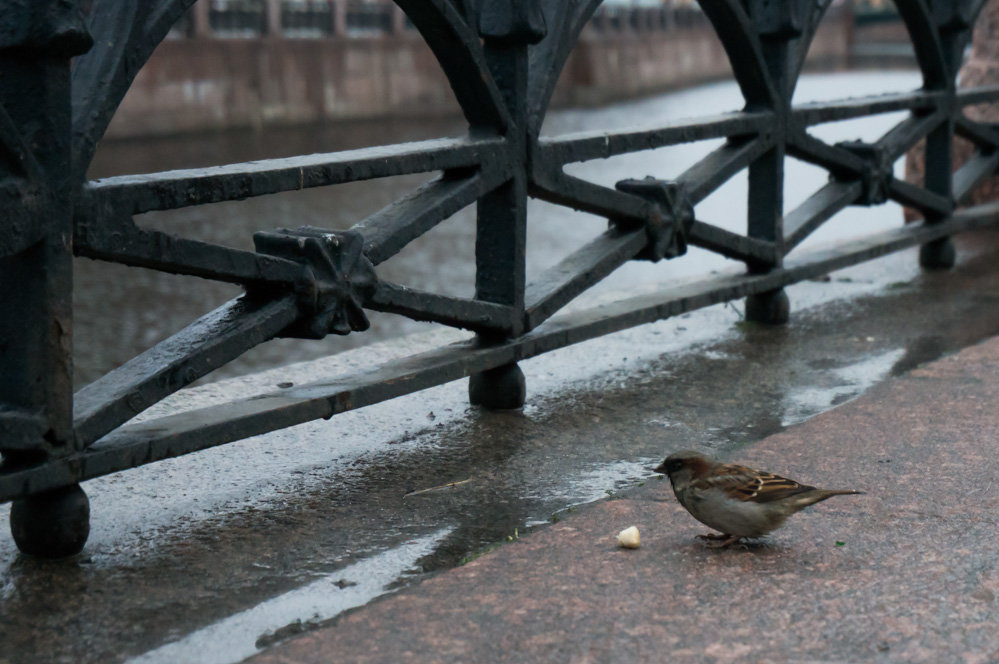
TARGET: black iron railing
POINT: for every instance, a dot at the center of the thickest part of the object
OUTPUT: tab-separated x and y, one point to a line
503	60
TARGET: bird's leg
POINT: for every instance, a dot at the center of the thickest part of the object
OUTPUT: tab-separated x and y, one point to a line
722	541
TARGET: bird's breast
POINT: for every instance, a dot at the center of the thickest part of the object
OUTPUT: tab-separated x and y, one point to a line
716	509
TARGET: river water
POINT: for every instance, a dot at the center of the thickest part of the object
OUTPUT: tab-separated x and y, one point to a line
121	311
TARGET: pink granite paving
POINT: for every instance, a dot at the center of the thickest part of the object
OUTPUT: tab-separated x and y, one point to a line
907	573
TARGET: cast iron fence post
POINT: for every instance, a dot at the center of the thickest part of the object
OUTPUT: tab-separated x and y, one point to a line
36	264
777	23
953	25
500	242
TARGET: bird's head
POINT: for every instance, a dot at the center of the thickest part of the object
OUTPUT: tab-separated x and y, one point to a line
685	465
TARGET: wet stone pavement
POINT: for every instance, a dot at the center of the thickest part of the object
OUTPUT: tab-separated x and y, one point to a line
219	555
908	572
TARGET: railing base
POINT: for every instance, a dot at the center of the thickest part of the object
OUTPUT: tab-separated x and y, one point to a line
938	255
502	388
770	308
53	524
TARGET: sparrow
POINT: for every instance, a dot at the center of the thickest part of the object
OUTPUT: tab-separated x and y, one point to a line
736	500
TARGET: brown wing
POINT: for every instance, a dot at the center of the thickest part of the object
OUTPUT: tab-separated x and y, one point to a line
747	484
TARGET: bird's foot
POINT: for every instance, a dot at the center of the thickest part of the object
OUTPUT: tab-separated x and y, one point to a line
719	541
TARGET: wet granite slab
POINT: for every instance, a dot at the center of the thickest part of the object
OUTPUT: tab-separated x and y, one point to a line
907	573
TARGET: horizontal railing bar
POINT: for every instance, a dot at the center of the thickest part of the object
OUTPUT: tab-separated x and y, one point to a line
978	168
928	202
178	361
806	147
731	245
174	435
606	202
120	240
563	282
182	188
982	94
982	135
584	146
707	175
820	112
451	311
818	208
904	136
579	194
390	229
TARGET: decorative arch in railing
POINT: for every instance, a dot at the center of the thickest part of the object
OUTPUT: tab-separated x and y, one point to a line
503	60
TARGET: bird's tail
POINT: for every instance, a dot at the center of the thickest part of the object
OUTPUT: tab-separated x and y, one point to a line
818	495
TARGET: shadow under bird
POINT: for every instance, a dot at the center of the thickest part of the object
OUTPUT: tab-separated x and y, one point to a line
736	500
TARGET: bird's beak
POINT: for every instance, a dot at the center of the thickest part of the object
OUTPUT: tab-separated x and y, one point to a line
661	468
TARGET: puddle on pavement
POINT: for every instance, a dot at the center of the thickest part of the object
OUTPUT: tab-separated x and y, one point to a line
592	484
242	635
845	383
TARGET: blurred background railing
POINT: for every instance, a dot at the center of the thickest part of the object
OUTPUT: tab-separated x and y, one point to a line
232	64
360	18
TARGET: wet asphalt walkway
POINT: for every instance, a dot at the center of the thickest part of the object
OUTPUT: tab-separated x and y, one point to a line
907	573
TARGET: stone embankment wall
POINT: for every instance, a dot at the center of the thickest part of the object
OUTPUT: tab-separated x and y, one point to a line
197	81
